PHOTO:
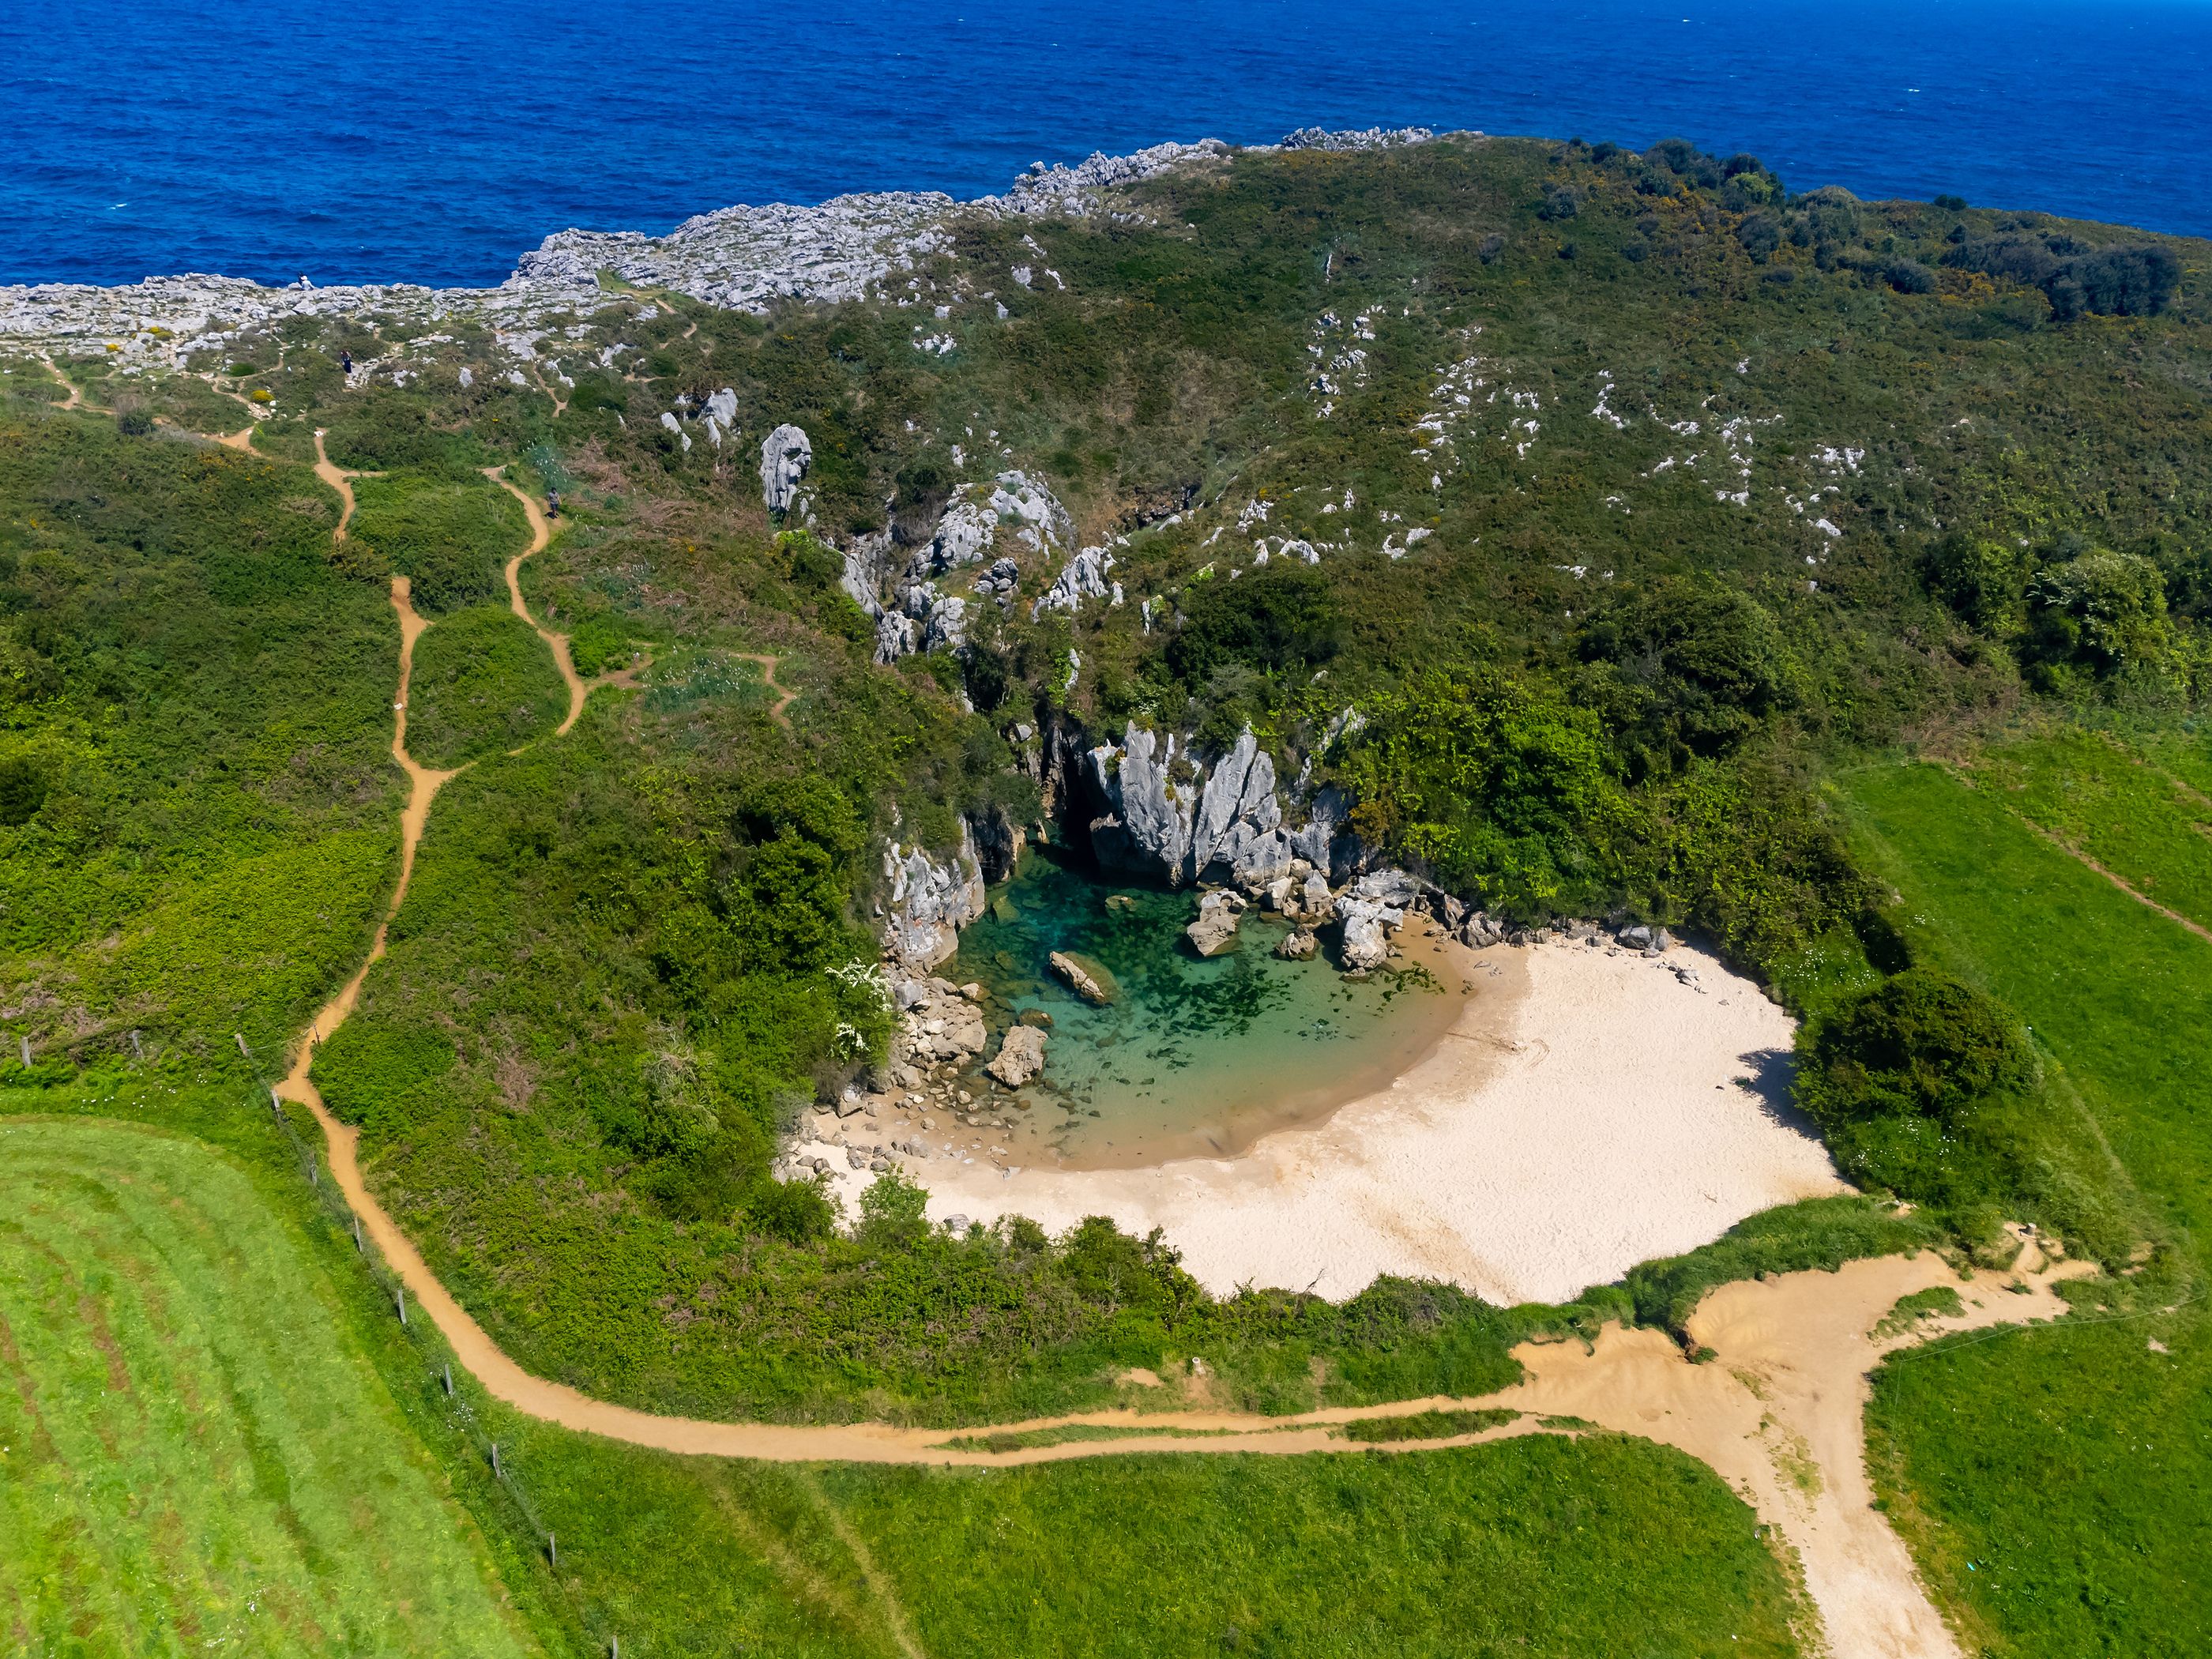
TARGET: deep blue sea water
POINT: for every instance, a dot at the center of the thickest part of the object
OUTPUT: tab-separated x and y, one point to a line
430	141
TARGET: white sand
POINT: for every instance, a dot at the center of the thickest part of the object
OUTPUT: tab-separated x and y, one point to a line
1558	1136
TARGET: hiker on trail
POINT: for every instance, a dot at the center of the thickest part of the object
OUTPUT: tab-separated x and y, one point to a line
553	504
345	360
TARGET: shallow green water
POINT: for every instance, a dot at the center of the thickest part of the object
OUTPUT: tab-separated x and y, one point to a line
1194	1056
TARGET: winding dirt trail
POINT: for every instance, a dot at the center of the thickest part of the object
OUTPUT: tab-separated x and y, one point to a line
1778	1413
541	535
784	696
341	481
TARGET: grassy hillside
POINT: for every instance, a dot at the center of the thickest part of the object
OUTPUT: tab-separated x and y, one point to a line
2057	1485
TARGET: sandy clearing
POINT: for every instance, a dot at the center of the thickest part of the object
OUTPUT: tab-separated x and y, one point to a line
1590	1117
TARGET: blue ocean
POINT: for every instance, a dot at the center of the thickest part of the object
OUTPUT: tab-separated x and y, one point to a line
430	141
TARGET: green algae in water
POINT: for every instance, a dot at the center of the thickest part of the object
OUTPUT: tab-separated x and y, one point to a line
1194	1057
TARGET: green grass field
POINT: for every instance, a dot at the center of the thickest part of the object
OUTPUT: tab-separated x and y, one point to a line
2057	1485
199	1457
483	682
1535	1546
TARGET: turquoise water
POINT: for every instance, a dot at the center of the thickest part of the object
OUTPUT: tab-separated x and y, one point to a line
1194	1057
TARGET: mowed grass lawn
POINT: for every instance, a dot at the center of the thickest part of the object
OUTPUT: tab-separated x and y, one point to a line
198	1458
2057	1483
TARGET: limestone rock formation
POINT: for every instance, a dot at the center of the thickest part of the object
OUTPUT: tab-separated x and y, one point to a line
1020	1056
786	455
1297	945
1215	931
930	903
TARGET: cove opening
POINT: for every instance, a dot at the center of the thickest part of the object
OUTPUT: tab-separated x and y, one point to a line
1193	1057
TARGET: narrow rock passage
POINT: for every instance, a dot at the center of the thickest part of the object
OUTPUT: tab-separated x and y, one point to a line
1778	1413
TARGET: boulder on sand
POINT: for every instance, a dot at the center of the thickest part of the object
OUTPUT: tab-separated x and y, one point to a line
1365	944
1215	930
1087	979
1020	1057
1297	945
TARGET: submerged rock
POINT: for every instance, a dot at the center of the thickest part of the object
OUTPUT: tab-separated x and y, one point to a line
1298	945
1087	979
1020	1057
1214	933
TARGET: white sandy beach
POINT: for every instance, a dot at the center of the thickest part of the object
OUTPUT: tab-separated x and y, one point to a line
1602	1112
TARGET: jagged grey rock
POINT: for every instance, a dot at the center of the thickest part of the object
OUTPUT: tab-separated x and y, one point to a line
1297	945
785	456
1083	577
1365	944
1148	827
930	903
1020	1056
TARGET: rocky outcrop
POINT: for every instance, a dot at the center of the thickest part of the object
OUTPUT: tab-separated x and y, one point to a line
1168	818
1214	933
938	1025
1372	909
785	456
1299	944
1085	978
1083	577
1147	826
1020	1056
930	903
1366	139
740	259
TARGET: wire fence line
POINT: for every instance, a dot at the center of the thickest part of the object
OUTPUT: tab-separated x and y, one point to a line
437	1373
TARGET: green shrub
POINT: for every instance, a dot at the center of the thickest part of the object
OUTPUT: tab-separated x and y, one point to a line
1688	667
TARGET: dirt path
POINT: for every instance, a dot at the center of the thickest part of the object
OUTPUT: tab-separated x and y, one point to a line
422	786
2118	881
541	534
76	398
784	698
341	481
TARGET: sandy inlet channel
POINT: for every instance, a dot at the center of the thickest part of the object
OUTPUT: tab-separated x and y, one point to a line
1592	1108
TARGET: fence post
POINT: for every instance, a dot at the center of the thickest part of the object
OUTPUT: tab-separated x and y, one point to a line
449	1368
494	1459
401	1294
276	1103
241	1036
26	1051
136	1052
356	1232
552	1551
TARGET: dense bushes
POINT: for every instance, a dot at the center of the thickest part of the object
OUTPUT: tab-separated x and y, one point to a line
2134	280
1278	620
1690	667
1927	1088
447	532
1492	781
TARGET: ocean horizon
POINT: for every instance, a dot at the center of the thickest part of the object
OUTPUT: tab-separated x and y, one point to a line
421	142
